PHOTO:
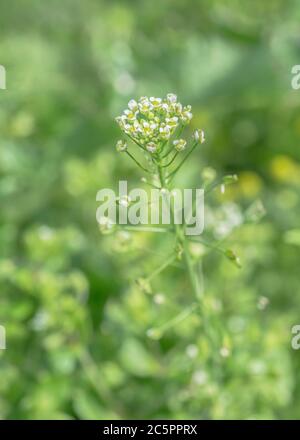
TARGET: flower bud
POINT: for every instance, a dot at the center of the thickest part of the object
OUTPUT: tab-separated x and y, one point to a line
121	146
208	175
171	97
151	147
106	225
154	333
231	178
179	144
124	201
233	257
199	136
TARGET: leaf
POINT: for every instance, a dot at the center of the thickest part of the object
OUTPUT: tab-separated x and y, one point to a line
292	237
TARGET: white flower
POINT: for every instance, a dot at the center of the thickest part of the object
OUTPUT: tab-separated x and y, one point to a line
153	126
199	136
177	107
262	303
154	120
192	351
127	128
224	352
146	128
121	120
165	107
159	298
156	102
121	146
130	115
124	201
144	104
186	114
165	131
171	98
106	225
151	147
132	105
172	122
199	377
179	144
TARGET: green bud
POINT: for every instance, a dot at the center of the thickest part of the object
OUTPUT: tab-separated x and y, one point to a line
231	255
154	333
255	212
231	178
208	175
144	285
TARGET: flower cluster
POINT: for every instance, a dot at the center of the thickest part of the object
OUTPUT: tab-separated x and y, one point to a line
152	121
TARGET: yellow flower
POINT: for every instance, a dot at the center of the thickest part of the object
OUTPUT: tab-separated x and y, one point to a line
285	169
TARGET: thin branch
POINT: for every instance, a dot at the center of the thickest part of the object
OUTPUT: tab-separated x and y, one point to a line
134	159
171	161
172	174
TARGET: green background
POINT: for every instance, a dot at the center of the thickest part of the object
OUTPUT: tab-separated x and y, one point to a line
75	319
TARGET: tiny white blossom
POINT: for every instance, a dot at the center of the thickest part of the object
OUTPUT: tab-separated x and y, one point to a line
159	298
151	147
199	136
165	131
187	114
179	144
172	122
144	104
106	224
262	302
121	146
171	98
130	115
124	201
156	102
224	352
132	105
177	108
165	107
199	377
192	351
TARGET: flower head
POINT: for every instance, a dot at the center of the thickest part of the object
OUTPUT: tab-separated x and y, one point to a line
153	120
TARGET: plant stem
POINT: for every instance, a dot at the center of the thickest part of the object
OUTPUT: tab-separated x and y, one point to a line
180	236
137	162
197	287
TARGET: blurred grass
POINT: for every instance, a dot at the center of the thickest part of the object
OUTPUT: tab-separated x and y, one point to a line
76	321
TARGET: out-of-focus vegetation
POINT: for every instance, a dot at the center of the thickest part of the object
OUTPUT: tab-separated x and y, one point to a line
76	320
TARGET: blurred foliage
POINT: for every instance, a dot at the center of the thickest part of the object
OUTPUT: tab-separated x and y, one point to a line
76	320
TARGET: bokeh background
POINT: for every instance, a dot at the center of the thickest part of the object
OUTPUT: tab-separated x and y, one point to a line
76	320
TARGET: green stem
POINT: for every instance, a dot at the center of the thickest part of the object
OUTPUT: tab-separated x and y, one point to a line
134	159
171	161
176	319
197	287
172	174
161	268
181	239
